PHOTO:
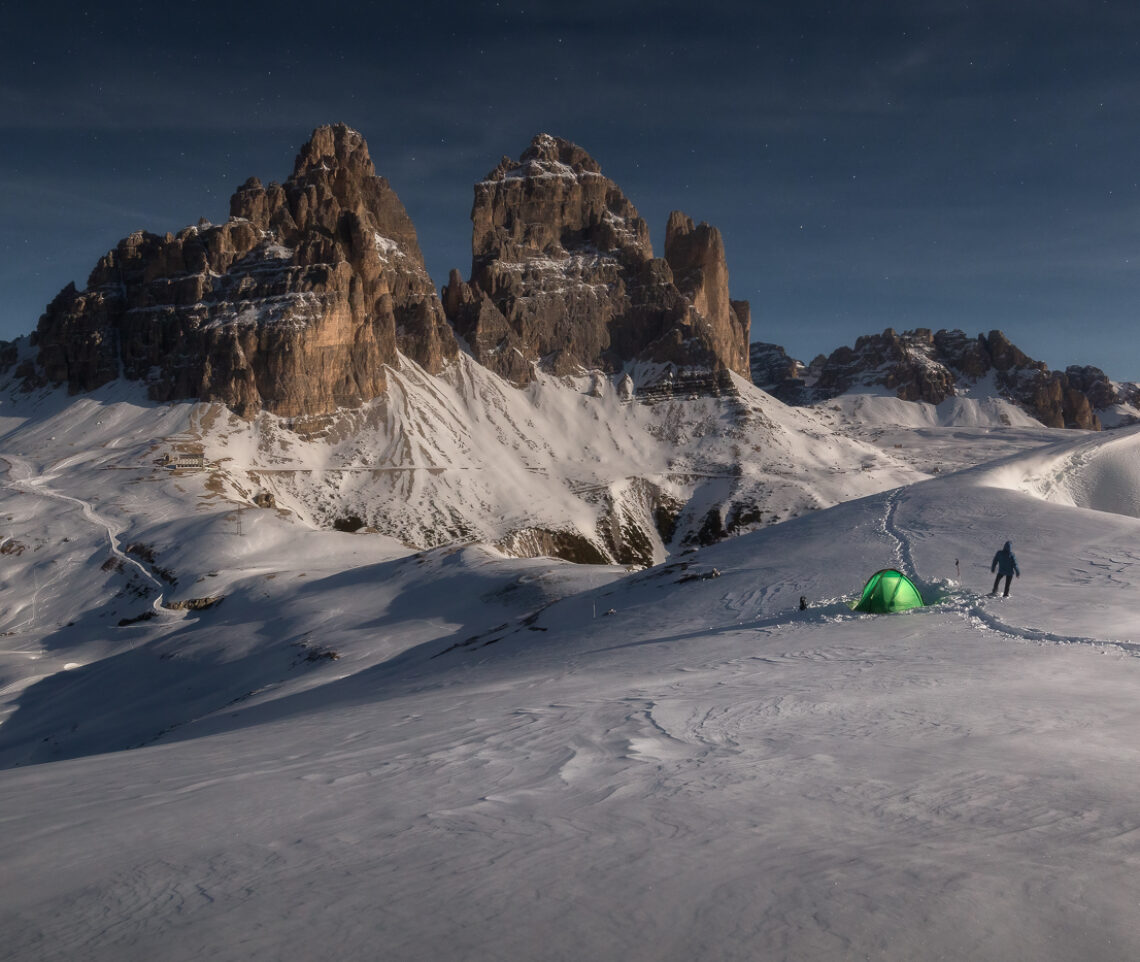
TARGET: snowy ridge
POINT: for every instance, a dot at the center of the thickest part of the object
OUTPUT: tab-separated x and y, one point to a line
1100	474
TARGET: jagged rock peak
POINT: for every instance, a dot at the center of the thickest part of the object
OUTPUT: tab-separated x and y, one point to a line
333	175
547	155
563	275
551	201
295	305
334	146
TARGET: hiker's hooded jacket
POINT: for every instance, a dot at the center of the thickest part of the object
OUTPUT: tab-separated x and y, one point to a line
1005	563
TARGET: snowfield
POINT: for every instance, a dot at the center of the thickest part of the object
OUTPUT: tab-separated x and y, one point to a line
366	751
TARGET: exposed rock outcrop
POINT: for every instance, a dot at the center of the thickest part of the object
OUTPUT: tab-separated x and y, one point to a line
695	254
294	305
563	274
1094	384
776	372
921	365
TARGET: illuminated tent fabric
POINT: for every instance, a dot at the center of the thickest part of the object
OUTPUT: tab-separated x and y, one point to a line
889	590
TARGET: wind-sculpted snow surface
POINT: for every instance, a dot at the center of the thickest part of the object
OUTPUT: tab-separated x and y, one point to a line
362	751
1086	472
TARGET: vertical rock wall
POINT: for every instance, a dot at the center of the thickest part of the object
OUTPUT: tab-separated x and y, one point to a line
294	305
563	275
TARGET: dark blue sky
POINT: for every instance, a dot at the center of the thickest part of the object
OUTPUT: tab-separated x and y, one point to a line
911	164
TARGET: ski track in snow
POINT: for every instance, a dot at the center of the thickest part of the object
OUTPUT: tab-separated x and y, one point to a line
903	557
974	609
976	614
37	484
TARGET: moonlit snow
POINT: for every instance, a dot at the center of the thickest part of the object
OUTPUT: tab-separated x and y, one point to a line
368	752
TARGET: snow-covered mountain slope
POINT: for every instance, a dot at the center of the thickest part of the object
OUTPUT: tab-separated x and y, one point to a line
564	467
978	404
455	754
468	457
974	428
105	545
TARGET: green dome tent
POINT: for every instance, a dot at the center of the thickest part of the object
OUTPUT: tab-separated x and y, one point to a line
889	590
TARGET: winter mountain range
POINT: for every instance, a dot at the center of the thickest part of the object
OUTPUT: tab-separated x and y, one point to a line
577	397
345	615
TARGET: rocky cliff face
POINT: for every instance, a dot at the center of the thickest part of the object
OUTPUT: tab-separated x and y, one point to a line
921	365
294	305
695	254
778	373
563	274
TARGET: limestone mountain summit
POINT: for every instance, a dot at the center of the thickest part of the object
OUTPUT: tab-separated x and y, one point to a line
298	303
310	315
563	274
294	305
313	290
362	399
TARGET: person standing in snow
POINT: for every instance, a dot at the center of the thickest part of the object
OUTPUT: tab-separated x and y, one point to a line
1005	564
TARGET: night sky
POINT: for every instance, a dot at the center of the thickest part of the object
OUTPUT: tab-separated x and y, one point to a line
871	165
